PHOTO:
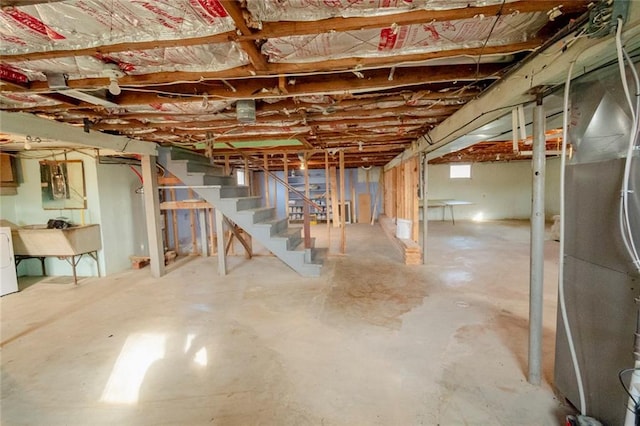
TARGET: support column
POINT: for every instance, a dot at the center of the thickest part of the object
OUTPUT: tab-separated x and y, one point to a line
536	282
425	170
222	255
152	213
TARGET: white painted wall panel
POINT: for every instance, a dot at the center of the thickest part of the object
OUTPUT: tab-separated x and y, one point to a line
497	190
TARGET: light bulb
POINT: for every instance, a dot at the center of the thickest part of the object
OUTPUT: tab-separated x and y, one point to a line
114	88
27	145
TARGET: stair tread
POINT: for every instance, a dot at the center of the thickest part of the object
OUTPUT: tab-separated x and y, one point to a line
255	209
270	221
292	230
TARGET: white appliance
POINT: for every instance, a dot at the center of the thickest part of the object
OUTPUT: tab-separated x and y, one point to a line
8	278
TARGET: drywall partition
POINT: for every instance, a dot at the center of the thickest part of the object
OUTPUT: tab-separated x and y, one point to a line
116	189
497	191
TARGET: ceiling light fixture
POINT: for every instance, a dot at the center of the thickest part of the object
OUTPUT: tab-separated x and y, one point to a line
58	82
114	88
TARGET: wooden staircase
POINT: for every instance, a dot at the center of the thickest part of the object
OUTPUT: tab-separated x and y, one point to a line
235	203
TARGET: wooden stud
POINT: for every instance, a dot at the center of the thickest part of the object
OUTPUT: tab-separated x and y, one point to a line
174	223
327	197
305	207
334	197
425	220
227	168
192	218
212	233
352	188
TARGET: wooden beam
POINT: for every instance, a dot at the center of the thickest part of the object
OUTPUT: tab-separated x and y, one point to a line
121	47
339	83
234	10
184	205
286	29
389	61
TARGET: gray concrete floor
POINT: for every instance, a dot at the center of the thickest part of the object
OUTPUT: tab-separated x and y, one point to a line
370	342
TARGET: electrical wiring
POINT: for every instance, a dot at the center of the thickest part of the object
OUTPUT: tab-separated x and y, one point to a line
561	295
625	224
626	389
624	220
493	27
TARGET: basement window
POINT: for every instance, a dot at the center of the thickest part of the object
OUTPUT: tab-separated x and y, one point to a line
460	171
240	177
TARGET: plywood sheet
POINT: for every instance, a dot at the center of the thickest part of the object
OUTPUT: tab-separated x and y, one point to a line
364	207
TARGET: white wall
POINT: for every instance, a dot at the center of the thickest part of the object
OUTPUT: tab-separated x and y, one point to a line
116	190
497	190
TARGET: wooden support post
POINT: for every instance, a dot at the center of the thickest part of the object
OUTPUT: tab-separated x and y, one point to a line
202	216
174	223
222	257
343	210
376	200
352	188
165	228
212	233
266	180
335	212
305	206
425	218
415	205
192	219
286	180
152	212
227	168
327	197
